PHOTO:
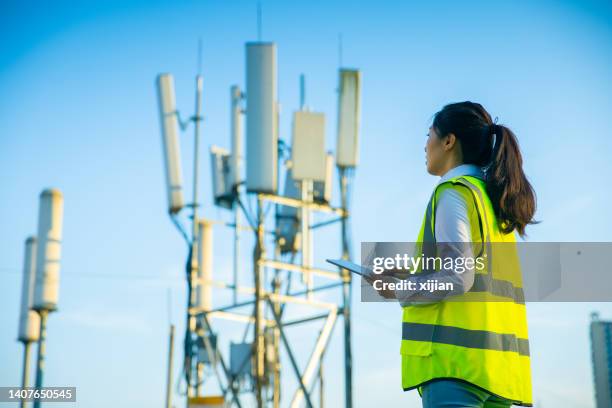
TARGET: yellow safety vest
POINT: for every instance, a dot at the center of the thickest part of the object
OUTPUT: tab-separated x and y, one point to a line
482	342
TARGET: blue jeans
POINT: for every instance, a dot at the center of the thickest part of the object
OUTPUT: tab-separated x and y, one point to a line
458	394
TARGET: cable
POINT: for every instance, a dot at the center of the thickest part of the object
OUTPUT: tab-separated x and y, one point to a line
187	344
248	216
251	212
179	226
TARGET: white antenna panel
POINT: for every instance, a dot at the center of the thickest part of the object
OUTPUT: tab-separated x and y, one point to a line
29	320
348	118
170	141
48	251
308	147
261	118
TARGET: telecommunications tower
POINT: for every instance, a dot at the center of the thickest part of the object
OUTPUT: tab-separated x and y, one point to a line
282	272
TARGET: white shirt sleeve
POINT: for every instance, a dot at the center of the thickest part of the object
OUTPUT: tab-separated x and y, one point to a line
453	239
452	218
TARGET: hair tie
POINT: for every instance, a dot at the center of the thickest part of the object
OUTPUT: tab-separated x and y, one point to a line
493	130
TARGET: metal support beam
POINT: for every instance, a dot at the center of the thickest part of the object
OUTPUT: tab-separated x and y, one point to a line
297	268
315	357
258	337
297	203
291	357
190	351
250	302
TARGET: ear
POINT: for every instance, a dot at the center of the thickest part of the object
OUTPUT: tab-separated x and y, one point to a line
449	141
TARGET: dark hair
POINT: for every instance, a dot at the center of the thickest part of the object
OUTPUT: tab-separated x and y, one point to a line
510	192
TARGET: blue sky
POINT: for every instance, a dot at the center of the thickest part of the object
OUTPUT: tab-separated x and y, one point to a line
78	112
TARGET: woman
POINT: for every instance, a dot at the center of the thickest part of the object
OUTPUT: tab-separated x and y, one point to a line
468	347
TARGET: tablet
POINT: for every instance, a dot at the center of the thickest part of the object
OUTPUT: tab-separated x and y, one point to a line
357	269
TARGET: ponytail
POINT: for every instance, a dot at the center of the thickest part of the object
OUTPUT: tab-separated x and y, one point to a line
494	148
510	192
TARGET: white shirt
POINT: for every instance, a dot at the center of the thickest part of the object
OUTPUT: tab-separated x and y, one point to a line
452	225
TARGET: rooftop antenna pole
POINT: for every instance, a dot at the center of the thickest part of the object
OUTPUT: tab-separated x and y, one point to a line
197	118
346	293
170	125
236	97
42	348
26	369
302	92
346	160
169	373
199	62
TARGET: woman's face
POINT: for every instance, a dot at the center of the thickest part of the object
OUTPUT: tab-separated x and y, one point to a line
435	154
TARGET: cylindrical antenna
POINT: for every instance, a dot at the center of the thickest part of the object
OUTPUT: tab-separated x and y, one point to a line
48	251
170	142
261	118
348	118
205	262
29	321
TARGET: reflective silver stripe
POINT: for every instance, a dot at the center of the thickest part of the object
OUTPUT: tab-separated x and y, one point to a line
480	339
497	287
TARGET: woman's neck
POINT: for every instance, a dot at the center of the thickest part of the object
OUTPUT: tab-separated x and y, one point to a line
451	164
